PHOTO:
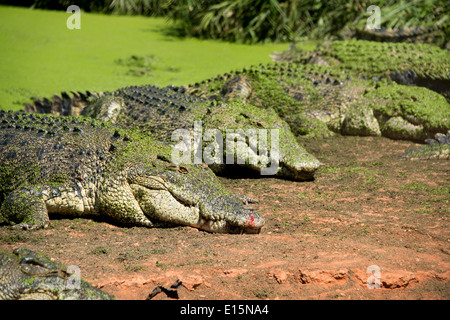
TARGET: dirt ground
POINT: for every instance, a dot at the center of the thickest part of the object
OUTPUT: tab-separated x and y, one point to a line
366	208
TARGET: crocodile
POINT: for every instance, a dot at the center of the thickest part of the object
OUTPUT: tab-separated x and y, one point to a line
81	167
28	275
320	101
405	63
345	87
162	111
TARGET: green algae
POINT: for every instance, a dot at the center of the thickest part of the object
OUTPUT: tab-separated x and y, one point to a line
41	56
381	58
417	105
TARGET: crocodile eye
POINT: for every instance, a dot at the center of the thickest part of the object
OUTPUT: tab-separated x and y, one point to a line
183	169
176	168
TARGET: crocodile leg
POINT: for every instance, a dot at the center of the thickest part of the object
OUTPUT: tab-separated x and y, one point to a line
125	209
24	210
160	205
29	207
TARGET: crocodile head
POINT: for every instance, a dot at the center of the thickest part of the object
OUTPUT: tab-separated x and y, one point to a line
242	121
28	275
191	195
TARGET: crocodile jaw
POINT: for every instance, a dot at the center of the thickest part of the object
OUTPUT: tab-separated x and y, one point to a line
163	206
248	222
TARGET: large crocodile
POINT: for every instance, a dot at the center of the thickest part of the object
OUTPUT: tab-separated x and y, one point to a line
162	111
28	275
82	167
323	100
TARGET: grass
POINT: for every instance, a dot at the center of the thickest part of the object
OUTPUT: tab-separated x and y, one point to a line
276	20
40	56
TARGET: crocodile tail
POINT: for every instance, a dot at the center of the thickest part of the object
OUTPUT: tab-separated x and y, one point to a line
65	104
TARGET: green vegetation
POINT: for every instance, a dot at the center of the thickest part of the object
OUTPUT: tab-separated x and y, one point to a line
261	293
262	20
418	104
41	56
161	265
12	238
293	20
134	268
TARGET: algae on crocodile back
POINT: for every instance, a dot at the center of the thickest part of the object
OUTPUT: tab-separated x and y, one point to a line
405	63
371	58
294	161
380	58
289	89
164	111
419	113
318	101
368	108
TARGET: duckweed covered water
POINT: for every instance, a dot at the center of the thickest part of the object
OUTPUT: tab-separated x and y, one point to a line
40	56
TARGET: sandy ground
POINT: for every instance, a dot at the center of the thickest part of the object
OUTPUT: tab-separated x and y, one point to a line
365	209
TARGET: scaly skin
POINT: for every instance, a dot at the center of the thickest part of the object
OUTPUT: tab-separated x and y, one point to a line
81	167
27	275
348	89
161	111
319	101
65	104
406	63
